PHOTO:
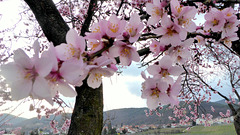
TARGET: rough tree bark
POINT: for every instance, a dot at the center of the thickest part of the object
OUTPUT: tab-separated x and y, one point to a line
237	122
87	117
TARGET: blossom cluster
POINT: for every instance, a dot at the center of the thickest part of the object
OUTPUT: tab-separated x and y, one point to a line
161	88
224	21
174	47
59	68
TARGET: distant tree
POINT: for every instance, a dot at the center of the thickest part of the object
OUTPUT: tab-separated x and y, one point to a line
124	131
113	131
109	127
104	131
34	132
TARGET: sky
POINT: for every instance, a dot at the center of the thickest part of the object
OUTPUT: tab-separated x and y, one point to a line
124	90
120	91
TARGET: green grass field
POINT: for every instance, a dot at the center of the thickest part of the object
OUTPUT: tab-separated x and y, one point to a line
227	129
212	130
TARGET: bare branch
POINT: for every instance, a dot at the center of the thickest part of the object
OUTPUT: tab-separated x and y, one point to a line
92	7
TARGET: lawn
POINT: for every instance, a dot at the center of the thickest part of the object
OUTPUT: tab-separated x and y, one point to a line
227	129
212	130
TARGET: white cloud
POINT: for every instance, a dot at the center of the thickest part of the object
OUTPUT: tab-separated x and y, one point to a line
117	95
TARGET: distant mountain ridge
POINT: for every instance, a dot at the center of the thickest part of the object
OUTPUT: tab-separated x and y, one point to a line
223	101
125	116
7	119
136	116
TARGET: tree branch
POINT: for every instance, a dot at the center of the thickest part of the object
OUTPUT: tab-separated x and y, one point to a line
121	4
220	94
50	20
90	13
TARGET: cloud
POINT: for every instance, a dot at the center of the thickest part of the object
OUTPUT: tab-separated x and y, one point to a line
134	86
116	94
132	70
132	78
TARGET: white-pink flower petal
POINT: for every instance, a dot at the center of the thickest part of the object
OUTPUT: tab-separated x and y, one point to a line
21	89
22	59
41	89
66	90
43	66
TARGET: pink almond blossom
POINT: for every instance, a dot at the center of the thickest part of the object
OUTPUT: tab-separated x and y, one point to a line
114	26
183	15
134	27
228	40
73	49
164	69
127	53
95	45
63	73
171	33
25	75
97	30
156	11
156	47
173	92
181	52
231	24
154	90
98	68
214	20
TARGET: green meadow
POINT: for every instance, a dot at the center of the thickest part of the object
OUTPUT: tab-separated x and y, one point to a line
212	130
227	129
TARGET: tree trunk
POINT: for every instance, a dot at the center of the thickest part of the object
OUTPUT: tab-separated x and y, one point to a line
237	122
50	20
87	117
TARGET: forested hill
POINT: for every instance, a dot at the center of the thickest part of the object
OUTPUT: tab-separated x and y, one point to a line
136	116
126	116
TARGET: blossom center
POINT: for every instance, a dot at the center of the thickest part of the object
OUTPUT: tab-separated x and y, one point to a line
183	21
132	31
74	51
94	45
97	77
54	76
164	72
215	22
157	11
171	31
30	74
96	30
155	92
168	91
114	28
229	14
179	58
125	52
179	9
